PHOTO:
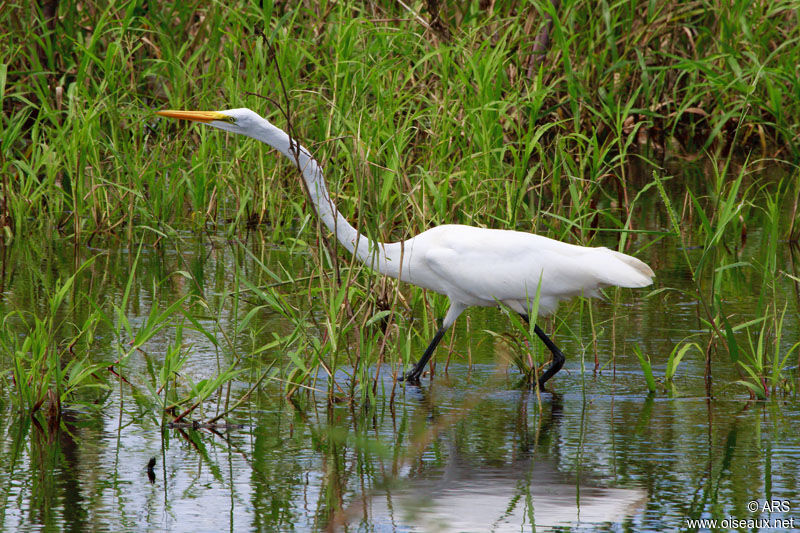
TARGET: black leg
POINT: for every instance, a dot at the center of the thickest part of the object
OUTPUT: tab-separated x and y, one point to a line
558	356
416	372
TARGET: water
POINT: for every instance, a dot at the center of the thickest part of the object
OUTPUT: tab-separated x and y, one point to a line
468	451
597	460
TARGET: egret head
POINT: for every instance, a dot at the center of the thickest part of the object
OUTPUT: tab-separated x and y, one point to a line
249	123
242	121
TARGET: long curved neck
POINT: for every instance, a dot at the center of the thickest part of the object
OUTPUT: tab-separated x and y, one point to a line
382	257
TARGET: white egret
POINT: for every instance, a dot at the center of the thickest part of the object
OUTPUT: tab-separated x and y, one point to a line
469	265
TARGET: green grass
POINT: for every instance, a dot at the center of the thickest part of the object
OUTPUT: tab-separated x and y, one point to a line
413	131
405	115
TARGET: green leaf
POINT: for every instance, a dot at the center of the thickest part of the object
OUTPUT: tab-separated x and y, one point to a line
758	390
647	368
675	359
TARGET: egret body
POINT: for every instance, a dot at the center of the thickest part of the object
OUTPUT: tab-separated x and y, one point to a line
469	265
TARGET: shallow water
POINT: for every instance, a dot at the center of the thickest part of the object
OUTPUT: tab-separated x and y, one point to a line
466	451
499	460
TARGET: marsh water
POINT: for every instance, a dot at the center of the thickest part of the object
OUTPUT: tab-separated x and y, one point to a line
469	450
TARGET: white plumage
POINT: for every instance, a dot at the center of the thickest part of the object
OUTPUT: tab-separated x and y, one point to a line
470	265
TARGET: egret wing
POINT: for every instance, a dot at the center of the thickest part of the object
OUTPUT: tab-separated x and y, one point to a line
481	267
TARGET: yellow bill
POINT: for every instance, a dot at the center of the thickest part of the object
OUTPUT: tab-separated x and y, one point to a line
196	116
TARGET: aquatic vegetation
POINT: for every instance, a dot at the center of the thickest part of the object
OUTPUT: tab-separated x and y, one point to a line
722	233
647	368
674	360
39	350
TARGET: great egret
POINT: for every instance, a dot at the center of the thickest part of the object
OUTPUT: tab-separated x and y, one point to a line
469	265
